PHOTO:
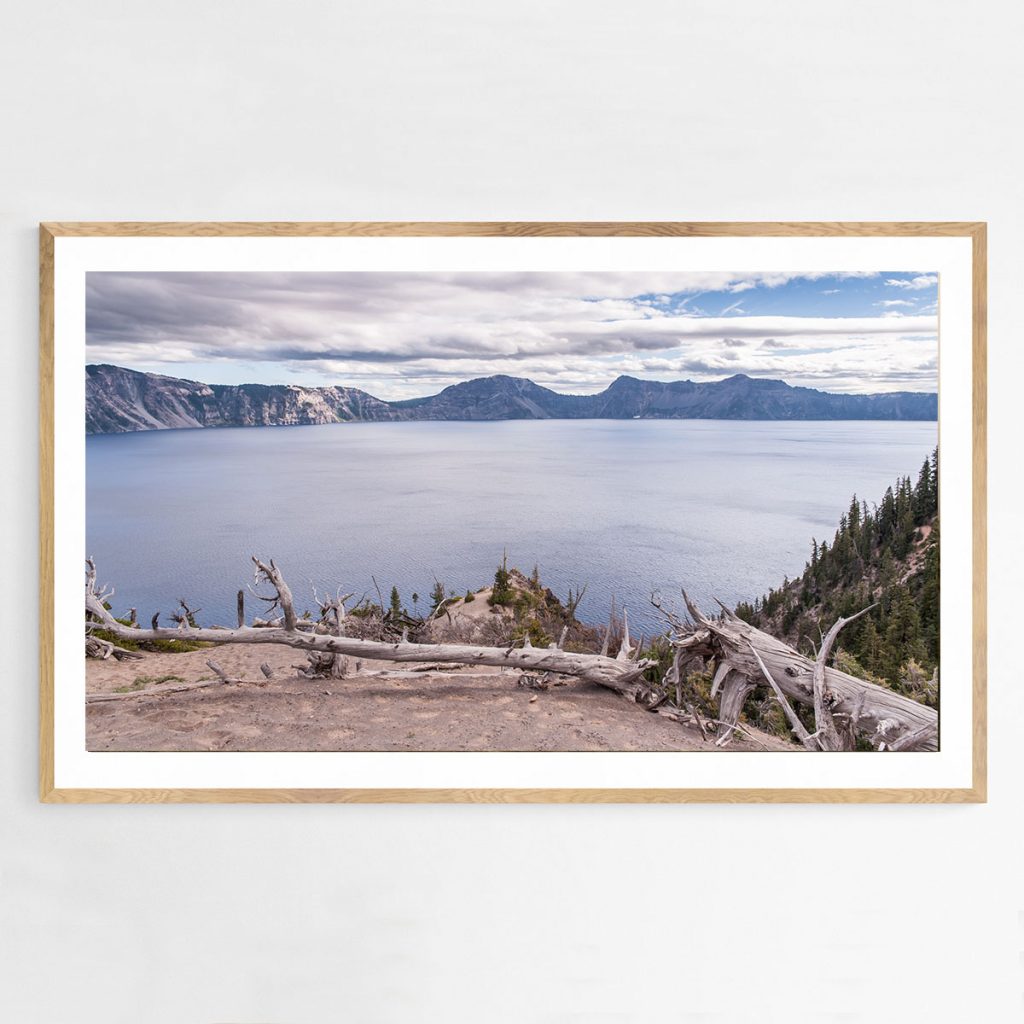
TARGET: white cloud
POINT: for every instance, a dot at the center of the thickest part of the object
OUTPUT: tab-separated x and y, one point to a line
916	284
895	302
775	279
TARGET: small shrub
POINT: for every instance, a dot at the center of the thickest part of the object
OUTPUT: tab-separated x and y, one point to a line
525	603
916	683
160	646
141	682
846	662
366	611
532	628
659	651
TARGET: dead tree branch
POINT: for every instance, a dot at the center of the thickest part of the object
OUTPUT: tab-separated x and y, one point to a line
876	713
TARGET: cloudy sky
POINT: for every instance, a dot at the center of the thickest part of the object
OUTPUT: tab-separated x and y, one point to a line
400	335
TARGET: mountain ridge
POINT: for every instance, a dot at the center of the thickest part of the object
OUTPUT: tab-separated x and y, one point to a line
120	400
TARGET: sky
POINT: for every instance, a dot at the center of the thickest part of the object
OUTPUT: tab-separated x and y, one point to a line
403	334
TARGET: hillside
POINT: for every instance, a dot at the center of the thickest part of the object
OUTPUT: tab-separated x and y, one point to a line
120	400
889	554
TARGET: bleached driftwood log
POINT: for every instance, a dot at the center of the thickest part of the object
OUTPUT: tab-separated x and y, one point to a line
622	674
845	707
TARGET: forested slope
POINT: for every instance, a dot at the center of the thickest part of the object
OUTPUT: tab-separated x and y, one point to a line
886	553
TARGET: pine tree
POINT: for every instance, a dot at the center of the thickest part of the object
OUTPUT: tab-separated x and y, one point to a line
396	603
853	517
869	647
887	515
929	599
502	591
923	499
902	636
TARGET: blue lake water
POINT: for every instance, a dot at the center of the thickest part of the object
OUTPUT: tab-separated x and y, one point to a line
724	508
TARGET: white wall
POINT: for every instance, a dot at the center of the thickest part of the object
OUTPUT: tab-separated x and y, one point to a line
251	109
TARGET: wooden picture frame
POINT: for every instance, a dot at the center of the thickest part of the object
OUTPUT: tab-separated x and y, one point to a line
53	789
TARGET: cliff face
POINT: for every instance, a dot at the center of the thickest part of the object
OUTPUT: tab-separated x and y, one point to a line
119	400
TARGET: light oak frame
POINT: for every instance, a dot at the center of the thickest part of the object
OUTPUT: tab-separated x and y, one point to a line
52	230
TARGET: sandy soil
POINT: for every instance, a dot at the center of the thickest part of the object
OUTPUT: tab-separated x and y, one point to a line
461	617
383	707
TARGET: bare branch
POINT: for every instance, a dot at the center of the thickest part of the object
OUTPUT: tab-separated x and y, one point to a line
625	651
724	668
920	739
830	738
794	721
695	612
272	575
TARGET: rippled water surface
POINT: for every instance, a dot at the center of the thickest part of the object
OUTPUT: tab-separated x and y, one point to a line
724	508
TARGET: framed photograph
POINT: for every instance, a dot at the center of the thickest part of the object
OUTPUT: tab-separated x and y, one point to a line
512	512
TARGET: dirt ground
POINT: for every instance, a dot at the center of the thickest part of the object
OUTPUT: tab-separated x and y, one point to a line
380	707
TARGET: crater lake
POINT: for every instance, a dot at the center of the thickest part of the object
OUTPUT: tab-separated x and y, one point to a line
724	508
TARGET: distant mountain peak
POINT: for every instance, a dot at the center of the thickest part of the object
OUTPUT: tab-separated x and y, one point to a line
119	399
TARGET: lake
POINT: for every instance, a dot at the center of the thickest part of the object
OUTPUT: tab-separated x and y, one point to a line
724	508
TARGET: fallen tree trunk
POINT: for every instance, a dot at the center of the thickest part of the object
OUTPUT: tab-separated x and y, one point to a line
845	707
621	674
